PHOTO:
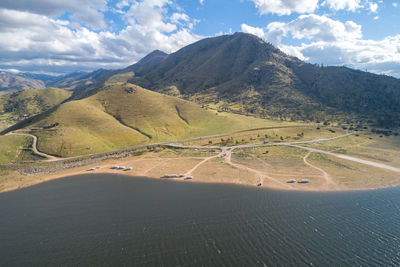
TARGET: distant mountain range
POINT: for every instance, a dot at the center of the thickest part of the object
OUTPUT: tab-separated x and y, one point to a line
10	83
243	74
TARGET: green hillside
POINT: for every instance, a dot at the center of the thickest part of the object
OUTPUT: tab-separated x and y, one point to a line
123	115
29	102
16	148
32	101
243	73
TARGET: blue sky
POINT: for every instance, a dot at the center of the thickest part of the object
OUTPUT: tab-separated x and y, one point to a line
58	36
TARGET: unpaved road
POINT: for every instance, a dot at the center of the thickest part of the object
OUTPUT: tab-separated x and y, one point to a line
34	147
362	161
227	152
325	175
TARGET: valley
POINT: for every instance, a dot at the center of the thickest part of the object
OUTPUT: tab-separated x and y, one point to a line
229	109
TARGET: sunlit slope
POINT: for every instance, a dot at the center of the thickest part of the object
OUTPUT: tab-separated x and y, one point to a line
11	147
83	127
162	117
123	115
32	101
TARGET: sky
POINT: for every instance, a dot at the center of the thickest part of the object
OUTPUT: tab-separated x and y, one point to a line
63	36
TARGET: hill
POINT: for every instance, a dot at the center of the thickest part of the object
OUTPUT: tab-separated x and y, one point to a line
242	73
122	115
10	83
29	102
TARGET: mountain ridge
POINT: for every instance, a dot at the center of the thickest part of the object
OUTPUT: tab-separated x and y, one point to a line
241	73
11	82
245	74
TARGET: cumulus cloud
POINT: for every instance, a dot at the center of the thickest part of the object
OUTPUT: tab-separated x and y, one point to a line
308	27
332	42
285	7
351	5
30	41
253	30
373	7
323	28
375	56
86	11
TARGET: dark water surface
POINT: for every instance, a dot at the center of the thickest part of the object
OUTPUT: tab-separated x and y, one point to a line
114	220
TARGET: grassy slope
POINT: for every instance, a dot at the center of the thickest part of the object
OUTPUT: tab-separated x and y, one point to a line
32	101
84	128
10	146
124	115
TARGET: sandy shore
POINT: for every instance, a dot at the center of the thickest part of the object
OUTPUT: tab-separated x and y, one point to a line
204	169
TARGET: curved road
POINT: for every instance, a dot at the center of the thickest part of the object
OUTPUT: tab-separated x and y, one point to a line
228	150
34	147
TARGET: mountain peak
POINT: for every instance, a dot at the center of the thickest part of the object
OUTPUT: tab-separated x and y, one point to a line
245	73
149	60
157	53
212	62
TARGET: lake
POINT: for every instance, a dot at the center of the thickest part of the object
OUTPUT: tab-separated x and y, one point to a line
104	220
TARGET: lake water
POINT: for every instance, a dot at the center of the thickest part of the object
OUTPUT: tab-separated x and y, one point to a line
104	220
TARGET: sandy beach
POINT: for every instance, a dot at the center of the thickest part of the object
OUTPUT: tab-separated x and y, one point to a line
220	167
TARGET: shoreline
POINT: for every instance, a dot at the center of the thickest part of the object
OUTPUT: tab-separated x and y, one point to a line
65	174
257	165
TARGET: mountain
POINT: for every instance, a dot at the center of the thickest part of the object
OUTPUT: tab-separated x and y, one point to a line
10	82
122	115
150	60
78	81
242	73
42	77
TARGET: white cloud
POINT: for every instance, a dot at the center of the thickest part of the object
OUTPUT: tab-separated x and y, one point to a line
86	11
14	71
350	5
285	7
373	7
201	2
179	17
253	30
395	4
331	42
122	4
310	26
31	41
375	56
